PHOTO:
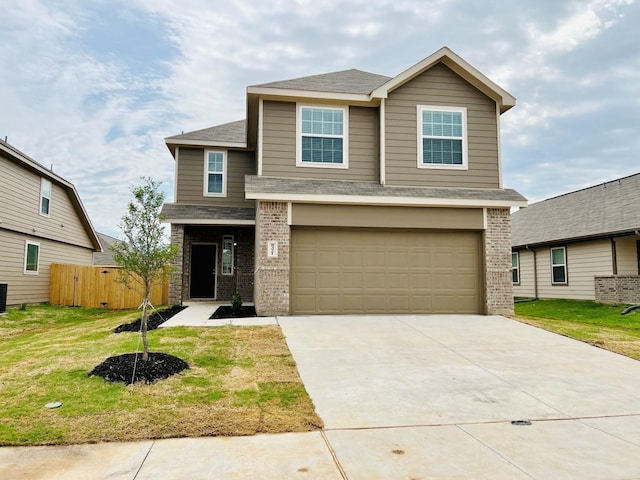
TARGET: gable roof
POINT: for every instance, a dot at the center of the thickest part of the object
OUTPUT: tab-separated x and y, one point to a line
603	210
15	155
354	86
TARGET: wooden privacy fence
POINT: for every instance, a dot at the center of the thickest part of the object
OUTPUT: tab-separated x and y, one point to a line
81	286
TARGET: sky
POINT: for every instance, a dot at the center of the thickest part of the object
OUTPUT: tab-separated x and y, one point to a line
92	87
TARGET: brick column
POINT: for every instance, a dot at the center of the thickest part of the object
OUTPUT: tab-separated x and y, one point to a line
271	292
175	281
497	250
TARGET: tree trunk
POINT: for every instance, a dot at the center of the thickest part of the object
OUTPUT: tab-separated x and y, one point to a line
144	323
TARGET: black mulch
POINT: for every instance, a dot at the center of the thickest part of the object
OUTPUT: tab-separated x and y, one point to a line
120	368
155	320
226	311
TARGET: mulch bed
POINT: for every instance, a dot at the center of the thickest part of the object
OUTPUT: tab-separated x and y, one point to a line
120	368
226	311
155	320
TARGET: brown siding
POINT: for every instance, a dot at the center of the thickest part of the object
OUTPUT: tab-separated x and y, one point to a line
279	145
20	207
627	255
441	86
190	177
387	217
526	287
30	288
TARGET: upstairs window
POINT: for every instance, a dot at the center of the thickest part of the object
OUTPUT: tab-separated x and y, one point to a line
45	197
215	173
559	266
442	141
322	137
515	267
31	257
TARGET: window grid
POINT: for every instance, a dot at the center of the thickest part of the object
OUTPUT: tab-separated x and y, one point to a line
227	254
45	196
31	257
515	267
322	135
215	173
442	137
558	265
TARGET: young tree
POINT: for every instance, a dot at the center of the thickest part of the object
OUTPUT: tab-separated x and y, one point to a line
144	254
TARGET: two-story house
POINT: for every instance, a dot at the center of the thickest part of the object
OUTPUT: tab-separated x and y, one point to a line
42	221
350	192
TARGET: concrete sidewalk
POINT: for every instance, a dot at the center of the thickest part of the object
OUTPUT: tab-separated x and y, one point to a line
421	397
197	315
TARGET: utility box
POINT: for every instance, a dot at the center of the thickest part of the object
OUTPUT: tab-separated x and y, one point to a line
3	297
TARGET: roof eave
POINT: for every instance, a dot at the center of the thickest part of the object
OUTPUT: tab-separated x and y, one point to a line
288	93
581	238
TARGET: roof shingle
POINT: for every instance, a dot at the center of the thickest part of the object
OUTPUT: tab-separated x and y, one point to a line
346	81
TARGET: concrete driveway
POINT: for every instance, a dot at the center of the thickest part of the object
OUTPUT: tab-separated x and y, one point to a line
408	397
426	397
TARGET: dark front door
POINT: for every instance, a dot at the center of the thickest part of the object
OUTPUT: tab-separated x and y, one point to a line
203	270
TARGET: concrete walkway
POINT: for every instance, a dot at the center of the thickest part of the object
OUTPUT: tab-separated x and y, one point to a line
420	397
197	315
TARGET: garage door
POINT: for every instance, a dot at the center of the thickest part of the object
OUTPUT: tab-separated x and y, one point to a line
359	270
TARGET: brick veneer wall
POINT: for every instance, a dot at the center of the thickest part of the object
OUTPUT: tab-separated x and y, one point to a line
497	249
614	289
175	280
271	293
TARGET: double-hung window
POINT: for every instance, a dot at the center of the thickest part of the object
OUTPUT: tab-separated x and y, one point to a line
45	197
215	173
322	137
559	265
31	257
227	254
515	267
442	138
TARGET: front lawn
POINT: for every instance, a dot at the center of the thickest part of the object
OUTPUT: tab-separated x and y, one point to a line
590	322
241	381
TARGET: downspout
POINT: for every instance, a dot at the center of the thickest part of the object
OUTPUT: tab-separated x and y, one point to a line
383	142
614	257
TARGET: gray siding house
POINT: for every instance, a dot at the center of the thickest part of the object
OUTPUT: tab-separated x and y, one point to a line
42	221
581	245
350	192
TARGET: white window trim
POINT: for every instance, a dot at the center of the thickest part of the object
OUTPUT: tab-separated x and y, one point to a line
566	270
233	251
206	174
42	195
345	138
26	250
517	267
465	135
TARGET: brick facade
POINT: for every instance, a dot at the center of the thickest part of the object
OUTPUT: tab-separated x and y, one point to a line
271	295
497	268
241	281
615	289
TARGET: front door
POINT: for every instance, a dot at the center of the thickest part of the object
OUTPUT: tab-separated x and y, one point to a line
203	270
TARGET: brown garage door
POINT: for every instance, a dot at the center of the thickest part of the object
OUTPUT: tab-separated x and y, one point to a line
359	270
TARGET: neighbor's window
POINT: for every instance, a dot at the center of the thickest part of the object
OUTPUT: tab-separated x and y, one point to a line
515	267
442	141
322	137
31	257
45	196
559	265
215	170
227	254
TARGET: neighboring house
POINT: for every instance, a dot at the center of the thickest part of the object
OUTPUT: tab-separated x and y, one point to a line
350	192
42	221
581	245
105	257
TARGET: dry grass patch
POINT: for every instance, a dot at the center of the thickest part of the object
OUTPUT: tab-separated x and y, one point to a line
241	381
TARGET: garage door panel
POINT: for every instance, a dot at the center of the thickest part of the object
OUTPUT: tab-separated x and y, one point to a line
376	271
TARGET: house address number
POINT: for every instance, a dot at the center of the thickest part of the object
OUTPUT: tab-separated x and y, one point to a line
272	249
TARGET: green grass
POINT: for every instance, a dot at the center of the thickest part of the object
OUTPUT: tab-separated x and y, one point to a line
242	380
595	323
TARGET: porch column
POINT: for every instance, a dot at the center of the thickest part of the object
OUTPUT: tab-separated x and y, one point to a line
497	271
175	280
271	290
